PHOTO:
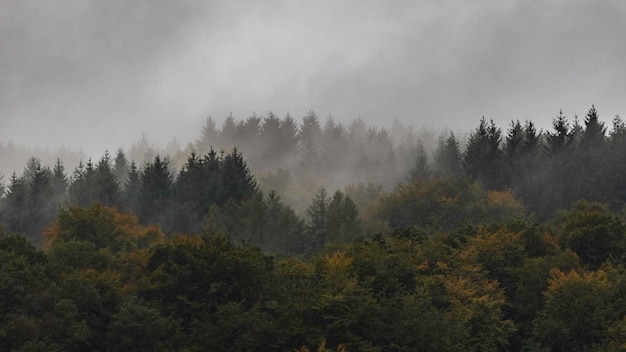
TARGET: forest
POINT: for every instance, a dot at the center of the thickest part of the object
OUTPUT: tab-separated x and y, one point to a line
277	235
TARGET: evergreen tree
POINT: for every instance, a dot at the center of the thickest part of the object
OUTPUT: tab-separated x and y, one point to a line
557	140
482	157
335	145
288	134
594	133
271	137
60	182
513	151
228	133
284	231
106	186
132	189
82	187
342	218
209	136
40	207
448	157
15	205
318	220
189	194
120	168
238	183
154	191
419	170
310	145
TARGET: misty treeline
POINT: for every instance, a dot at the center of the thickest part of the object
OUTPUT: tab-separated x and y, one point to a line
512	241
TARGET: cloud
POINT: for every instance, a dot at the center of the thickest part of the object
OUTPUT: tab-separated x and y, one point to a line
99	73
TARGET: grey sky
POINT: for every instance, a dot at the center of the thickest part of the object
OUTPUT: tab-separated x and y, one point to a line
96	74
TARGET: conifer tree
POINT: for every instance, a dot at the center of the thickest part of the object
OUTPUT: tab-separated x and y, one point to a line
154	191
420	168
59	181
209	136
238	183
120	168
557	140
594	133
448	157
482	157
318	218
342	218
106	187
132	189
15	203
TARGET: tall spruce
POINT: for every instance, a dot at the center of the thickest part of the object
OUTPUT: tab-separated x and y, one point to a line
482	158
448	157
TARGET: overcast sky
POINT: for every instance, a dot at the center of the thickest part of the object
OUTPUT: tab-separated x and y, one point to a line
96	74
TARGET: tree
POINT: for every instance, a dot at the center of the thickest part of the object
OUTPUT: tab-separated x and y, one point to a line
310	145
420	169
448	157
594	133
14	209
238	182
82	184
580	308
106	189
154	191
120	168
557	140
593	232
318	219
59	182
335	145
482	157
40	207
209	136
342	218
132	189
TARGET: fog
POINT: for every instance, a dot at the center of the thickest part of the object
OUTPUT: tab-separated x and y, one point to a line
95	75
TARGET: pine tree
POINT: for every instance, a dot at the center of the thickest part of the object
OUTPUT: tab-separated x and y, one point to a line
335	145
448	157
154	191
40	208
209	136
106	186
318	214
342	218
15	205
482	158
513	151
120	168
132	189
594	133
59	181
420	169
238	183
557	140
310	145
228	133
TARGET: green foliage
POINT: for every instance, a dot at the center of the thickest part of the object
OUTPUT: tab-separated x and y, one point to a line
483	156
593	232
263	220
445	204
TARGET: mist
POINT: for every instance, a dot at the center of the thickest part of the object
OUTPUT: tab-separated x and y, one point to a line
94	75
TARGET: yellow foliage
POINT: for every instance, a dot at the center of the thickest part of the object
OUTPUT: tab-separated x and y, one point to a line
338	274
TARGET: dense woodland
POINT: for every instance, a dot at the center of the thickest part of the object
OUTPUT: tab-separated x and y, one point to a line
268	234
